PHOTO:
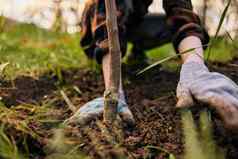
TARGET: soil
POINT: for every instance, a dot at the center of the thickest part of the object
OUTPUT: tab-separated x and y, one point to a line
151	98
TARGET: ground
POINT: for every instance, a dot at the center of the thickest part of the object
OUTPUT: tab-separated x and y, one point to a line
151	99
33	106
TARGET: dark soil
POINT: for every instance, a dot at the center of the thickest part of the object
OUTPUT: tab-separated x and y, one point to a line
151	98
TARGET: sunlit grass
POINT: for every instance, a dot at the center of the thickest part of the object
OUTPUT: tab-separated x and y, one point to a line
28	48
2	23
8	147
199	141
223	51
58	148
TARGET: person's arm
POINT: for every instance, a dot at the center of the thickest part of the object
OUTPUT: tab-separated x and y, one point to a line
184	22
196	81
95	44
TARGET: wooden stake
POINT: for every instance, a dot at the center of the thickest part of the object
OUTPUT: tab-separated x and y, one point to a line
111	95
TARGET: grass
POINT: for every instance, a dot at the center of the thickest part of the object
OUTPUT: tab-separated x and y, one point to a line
8	149
37	123
223	51
30	49
222	18
199	141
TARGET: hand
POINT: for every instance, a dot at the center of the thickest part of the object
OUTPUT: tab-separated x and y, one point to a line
212	88
95	108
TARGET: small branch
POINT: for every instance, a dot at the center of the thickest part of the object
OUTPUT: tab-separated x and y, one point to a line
68	102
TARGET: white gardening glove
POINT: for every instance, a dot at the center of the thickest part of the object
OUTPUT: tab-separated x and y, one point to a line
215	89
95	108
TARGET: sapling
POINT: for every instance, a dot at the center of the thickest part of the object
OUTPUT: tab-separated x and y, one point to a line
111	95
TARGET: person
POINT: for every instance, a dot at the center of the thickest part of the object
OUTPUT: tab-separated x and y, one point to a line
183	28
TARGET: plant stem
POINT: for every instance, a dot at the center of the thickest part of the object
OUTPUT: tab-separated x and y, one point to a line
111	95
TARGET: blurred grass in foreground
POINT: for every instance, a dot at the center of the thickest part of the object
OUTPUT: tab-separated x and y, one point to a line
56	149
199	142
8	149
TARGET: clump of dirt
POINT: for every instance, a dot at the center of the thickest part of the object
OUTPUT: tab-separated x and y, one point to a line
151	98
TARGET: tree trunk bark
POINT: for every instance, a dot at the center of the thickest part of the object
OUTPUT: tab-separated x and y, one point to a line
204	16
58	16
111	95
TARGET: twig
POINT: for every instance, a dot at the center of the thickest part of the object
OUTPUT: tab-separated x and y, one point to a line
67	100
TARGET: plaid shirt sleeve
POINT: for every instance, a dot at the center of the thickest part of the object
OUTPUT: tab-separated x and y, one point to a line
93	24
184	22
94	39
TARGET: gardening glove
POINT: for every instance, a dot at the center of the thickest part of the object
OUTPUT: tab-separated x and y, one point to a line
95	108
212	88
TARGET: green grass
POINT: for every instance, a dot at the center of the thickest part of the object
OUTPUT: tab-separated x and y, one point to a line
163	52
28	48
223	51
199	141
8	149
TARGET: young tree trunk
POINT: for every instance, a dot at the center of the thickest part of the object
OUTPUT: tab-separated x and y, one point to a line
58	16
204	16
111	96
236	10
